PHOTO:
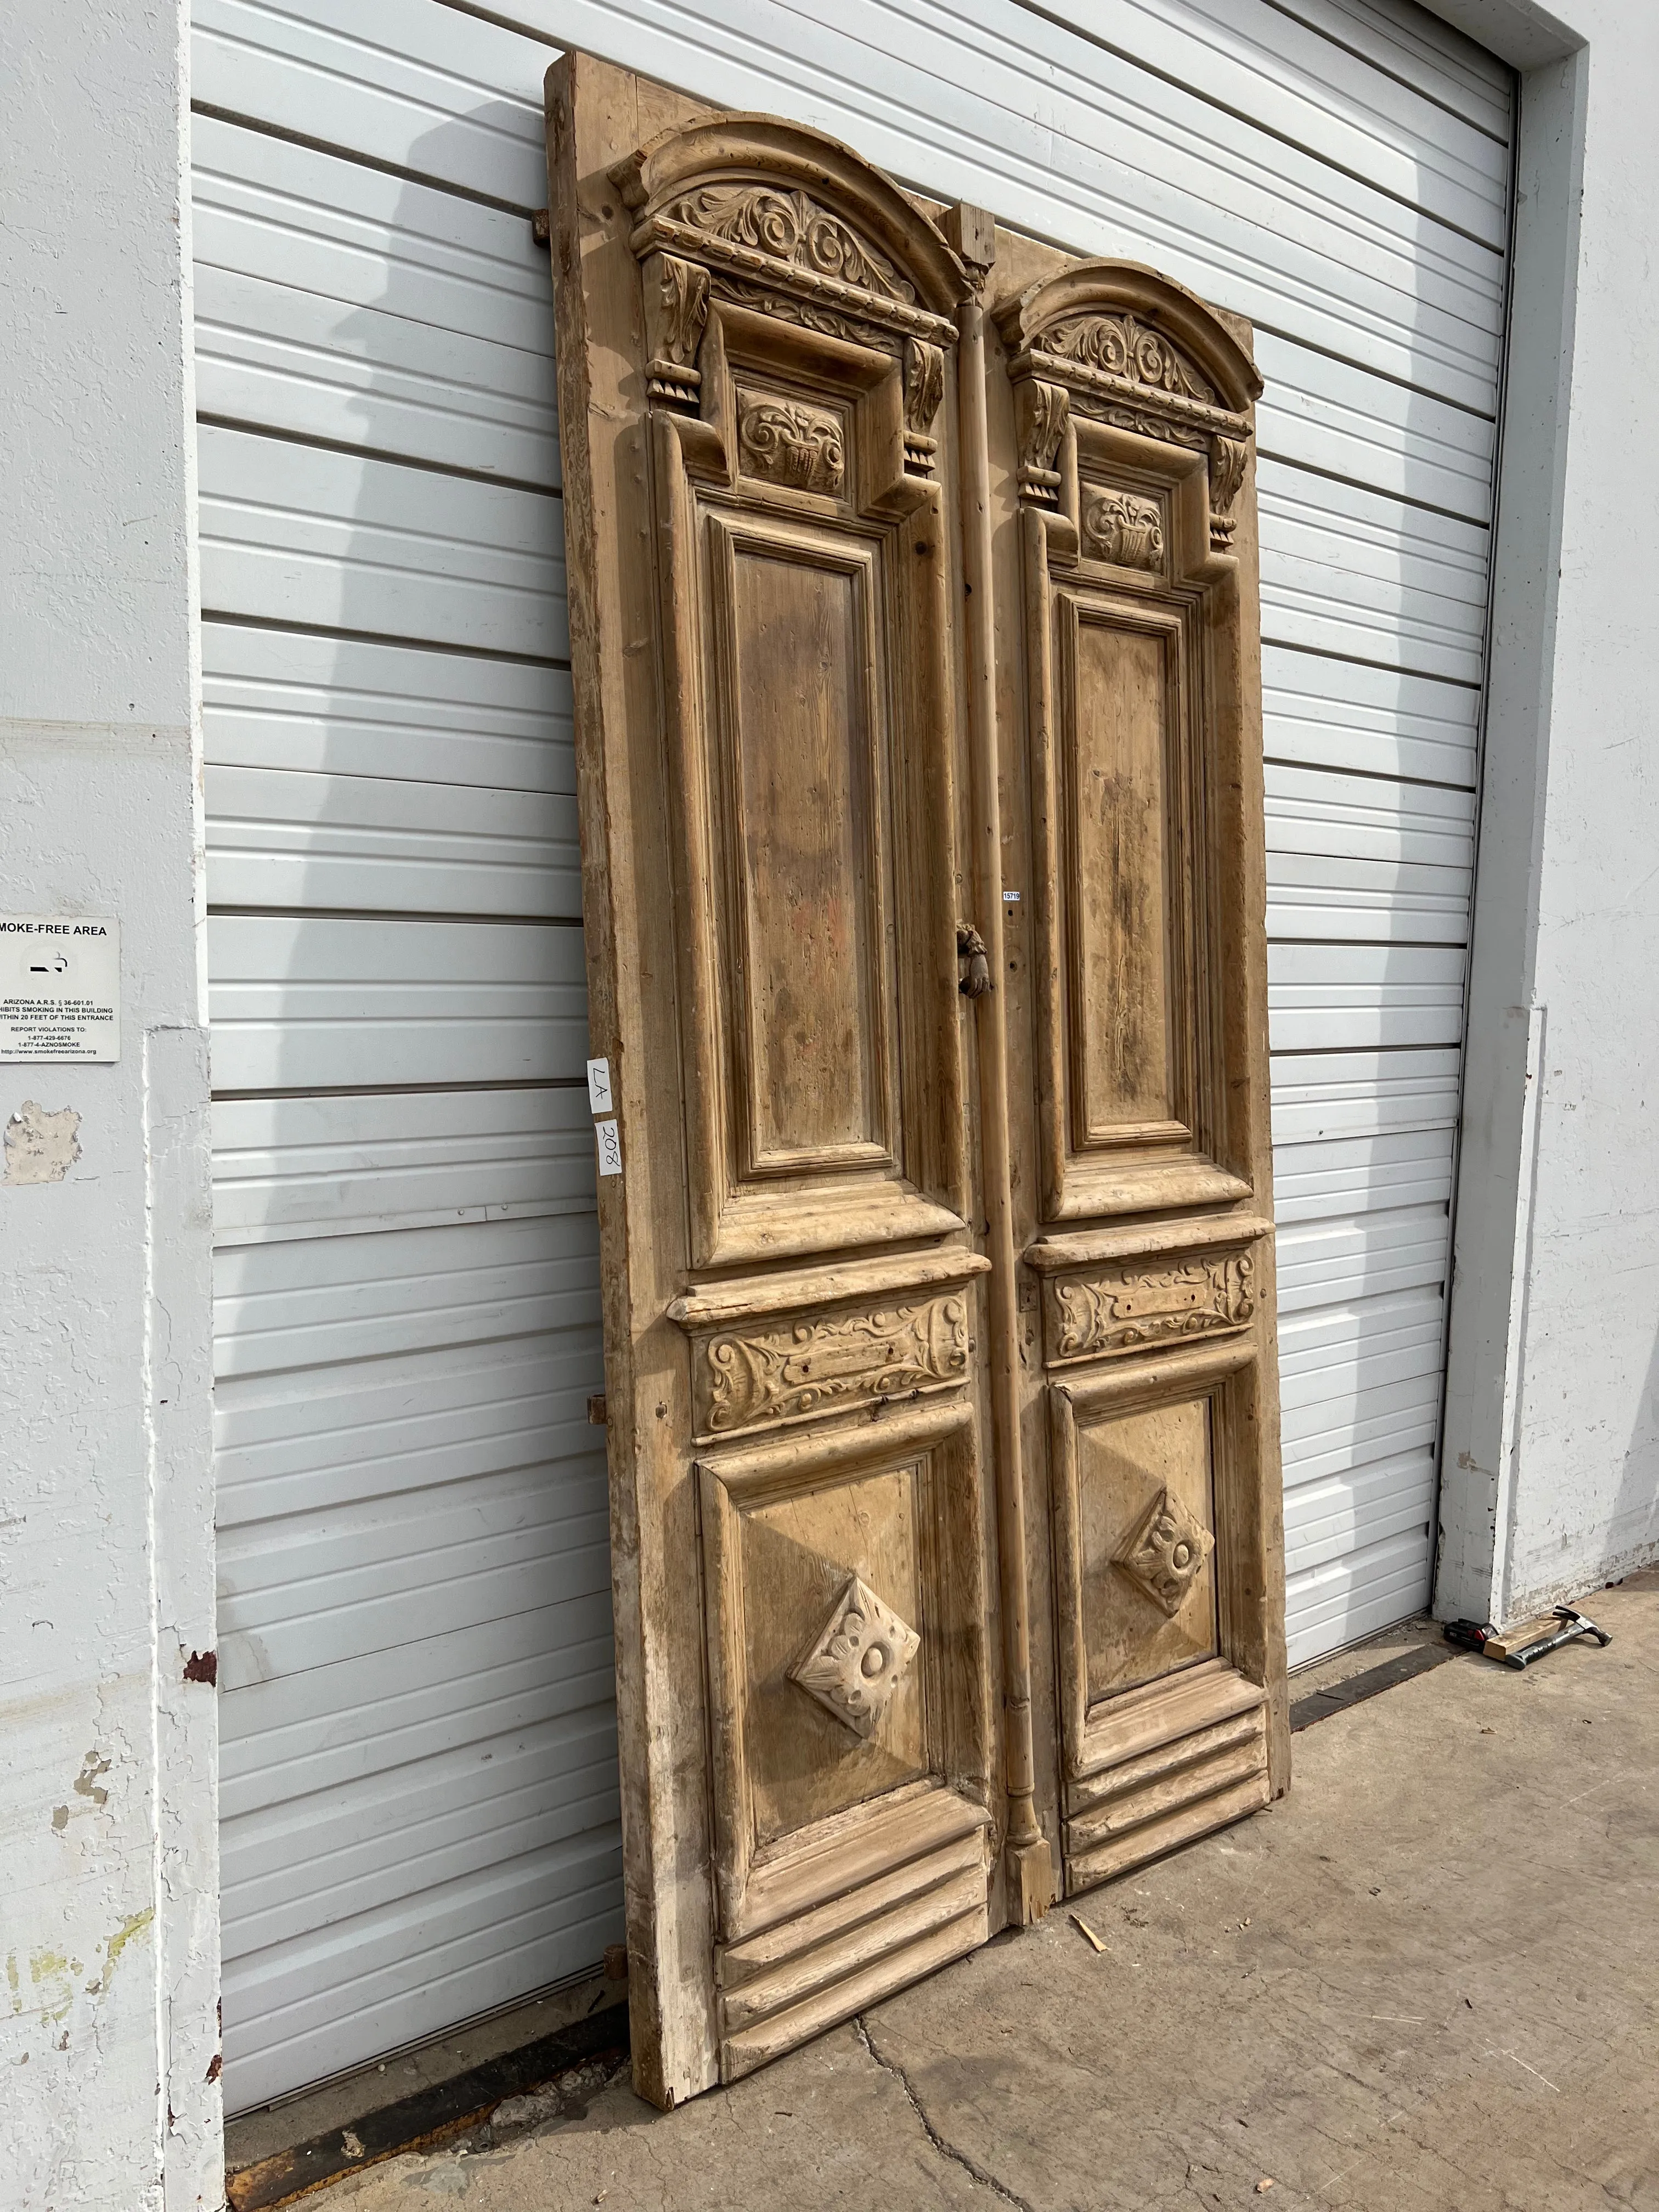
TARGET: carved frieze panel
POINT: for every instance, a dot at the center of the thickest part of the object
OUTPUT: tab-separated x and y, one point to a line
1123	346
752	1377
1142	1303
793	228
784	441
1122	528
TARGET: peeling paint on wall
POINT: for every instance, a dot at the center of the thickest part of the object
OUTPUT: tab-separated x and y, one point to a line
40	1147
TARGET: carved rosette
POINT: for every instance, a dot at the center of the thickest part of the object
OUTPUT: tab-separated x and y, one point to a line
1126	1309
676	313
1164	1554
1040	413
924	388
1118	527
779	1373
787	442
858	1658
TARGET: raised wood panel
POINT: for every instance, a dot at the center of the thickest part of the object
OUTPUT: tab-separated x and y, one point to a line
1121	683
795	618
809	687
845	1640
1146	1540
1126	575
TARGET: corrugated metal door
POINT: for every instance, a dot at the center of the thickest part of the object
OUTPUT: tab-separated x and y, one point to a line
418	1772
417	1781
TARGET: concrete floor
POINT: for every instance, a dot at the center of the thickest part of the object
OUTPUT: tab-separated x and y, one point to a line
1427	1982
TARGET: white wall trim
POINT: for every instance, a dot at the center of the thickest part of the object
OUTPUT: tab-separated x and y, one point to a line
1479	1431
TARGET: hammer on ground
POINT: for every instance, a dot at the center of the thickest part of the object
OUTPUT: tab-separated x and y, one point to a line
1573	1625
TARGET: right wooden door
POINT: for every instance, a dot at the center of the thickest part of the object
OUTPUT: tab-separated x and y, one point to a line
1135	966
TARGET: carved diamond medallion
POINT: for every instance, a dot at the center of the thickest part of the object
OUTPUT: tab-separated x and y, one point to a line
861	1655
1164	1553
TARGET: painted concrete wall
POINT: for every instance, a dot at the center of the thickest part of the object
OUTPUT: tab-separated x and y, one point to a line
1550	1479
108	1915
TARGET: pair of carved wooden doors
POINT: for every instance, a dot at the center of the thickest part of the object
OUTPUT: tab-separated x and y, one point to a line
912	577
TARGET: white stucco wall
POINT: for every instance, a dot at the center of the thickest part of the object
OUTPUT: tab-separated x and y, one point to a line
1550	1478
108	1918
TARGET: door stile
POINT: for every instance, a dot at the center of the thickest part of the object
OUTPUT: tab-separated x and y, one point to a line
1028	1858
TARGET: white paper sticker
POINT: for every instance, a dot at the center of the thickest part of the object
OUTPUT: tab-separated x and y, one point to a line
609	1137
598	1085
60	987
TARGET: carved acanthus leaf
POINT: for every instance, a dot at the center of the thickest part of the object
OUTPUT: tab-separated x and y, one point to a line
1040	413
785	442
924	388
858	1658
1126	1307
1164	1554
791	227
778	1374
1118	527
1123	346
676	313
1228	459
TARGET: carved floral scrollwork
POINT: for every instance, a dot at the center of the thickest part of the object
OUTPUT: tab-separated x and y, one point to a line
764	300
784	442
1128	1307
1118	527
791	227
812	1366
676	313
1041	414
1123	346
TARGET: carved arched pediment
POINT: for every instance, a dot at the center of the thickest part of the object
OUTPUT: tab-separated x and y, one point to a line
1122	320
1116	342
769	199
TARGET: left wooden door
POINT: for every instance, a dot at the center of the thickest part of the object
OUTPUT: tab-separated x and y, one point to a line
757	337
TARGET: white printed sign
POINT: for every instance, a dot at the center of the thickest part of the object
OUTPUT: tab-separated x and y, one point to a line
60	987
598	1085
610	1139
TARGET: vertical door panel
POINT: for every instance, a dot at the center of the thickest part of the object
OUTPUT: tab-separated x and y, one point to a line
757	349
1141	1140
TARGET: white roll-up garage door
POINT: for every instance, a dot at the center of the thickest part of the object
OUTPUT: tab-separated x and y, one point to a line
418	1784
